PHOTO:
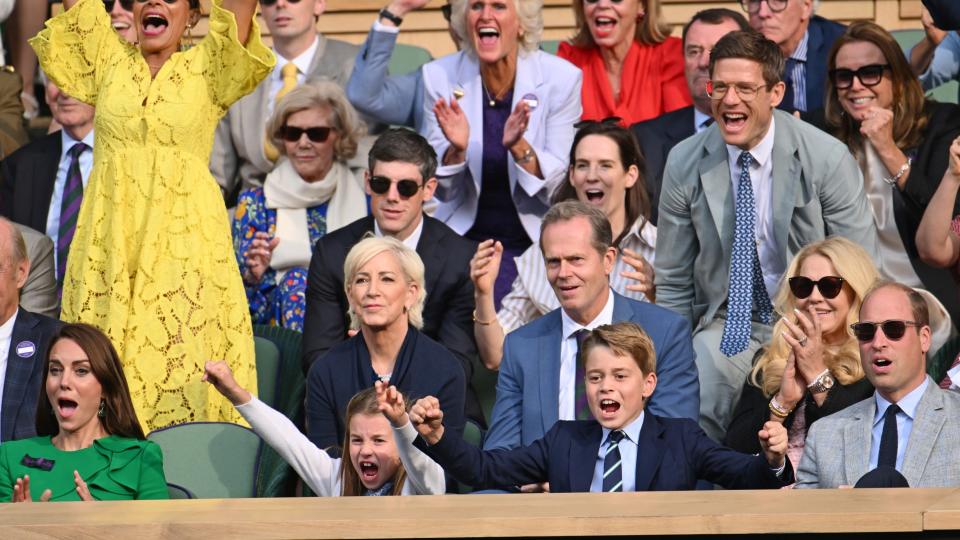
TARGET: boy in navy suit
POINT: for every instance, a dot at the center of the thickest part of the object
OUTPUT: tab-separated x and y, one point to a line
623	449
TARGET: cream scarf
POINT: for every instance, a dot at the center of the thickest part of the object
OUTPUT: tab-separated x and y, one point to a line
291	196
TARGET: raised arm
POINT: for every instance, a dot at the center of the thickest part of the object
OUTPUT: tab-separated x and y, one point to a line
244	11
936	243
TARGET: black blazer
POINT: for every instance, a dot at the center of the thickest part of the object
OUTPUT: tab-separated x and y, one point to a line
27	177
945	13
752	412
447	312
823	32
672	454
21	384
657	137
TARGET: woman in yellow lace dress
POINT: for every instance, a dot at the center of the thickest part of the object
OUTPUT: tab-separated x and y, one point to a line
152	261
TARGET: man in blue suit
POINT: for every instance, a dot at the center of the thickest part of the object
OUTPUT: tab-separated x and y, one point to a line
622	448
538	375
24	338
805	40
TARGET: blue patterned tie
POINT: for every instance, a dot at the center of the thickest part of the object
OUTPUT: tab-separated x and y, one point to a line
69	210
746	278
612	469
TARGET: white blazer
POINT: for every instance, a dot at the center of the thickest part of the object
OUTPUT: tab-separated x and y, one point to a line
556	85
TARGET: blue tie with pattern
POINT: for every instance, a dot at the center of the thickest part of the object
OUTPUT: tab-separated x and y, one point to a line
746	278
69	210
612	469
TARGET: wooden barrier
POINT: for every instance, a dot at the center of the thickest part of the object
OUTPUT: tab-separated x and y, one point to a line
906	513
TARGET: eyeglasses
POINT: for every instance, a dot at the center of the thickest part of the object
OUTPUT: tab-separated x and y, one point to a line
317	134
406	188
125	4
718	90
869	75
893	329
446	10
272	2
829	286
753	6
608	121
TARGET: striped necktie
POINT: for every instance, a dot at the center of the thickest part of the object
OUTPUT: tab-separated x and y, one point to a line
612	469
581	407
69	210
288	74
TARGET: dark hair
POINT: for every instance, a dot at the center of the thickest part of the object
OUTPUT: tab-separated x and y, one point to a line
750	45
194	4
636	199
624	339
408	146
714	16
119	416
909	118
363	402
602	237
918	306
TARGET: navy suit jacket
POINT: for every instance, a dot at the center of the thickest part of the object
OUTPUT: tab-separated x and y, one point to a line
657	137
672	455
21	383
27	177
945	13
823	32
528	385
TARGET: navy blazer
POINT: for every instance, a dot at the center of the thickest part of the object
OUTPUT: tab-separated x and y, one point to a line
423	368
21	383
528	386
945	13
823	32
657	137
27	177
673	454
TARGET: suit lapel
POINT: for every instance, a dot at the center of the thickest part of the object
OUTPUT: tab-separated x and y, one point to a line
715	178
18	372
786	180
41	177
548	359
650	449
927	424
584	450
857	438
427	249
468	79
815	68
681	127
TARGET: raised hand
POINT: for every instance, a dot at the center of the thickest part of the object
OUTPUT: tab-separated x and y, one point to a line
485	266
792	385
806	340
954	168
257	257
21	491
427	417
219	375
877	126
642	274
453	122
516	124
82	490
402	7
390	403
773	440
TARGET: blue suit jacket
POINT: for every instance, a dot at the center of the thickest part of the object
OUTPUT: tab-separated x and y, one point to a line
21	383
528	385
823	32
391	99
672	455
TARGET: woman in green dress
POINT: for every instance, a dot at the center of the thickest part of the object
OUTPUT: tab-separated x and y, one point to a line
90	445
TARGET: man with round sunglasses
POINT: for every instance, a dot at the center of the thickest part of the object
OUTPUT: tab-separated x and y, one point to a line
804	39
242	156
908	432
400	179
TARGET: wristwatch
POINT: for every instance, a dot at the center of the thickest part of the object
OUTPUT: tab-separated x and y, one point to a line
822	383
385	14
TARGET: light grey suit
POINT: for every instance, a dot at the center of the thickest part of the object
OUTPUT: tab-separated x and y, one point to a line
837	450
237	157
39	293
817	192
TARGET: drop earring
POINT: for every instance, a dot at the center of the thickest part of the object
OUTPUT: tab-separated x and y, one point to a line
100	410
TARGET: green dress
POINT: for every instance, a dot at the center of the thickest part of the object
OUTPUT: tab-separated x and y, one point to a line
114	468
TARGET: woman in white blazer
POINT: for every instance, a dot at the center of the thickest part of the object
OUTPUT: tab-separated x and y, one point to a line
500	114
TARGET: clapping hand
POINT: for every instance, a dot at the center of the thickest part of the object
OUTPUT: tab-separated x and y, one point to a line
453	122
642	273
516	124
219	375
805	338
773	440
390	402
257	257
954	167
485	266
427	417
21	491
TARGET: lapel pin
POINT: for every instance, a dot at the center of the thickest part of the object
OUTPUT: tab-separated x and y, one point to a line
25	349
458	93
531	100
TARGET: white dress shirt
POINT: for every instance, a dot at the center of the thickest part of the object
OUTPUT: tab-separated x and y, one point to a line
86	164
6	334
302	62
568	355
908	411
761	177
410	241
629	450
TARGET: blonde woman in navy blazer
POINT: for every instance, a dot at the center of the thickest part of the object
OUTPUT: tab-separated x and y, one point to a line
500	114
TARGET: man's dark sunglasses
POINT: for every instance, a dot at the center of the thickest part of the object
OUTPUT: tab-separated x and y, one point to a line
125	4
829	286
315	134
869	75
406	188
893	329
446	10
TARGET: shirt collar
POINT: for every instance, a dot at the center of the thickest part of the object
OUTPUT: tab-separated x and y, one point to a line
634	235
411	241
302	61
800	53
699	118
604	317
908	404
67	142
6	329
632	431
761	152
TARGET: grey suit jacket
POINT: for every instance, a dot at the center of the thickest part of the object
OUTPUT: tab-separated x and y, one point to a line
39	293
237	160
837	450
817	192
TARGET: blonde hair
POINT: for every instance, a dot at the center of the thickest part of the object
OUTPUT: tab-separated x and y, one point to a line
318	95
410	264
529	15
651	30
858	271
624	339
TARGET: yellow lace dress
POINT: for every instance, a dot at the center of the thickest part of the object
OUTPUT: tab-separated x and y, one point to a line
152	261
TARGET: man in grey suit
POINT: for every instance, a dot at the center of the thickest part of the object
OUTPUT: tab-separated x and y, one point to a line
909	424
39	293
738	200
239	159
